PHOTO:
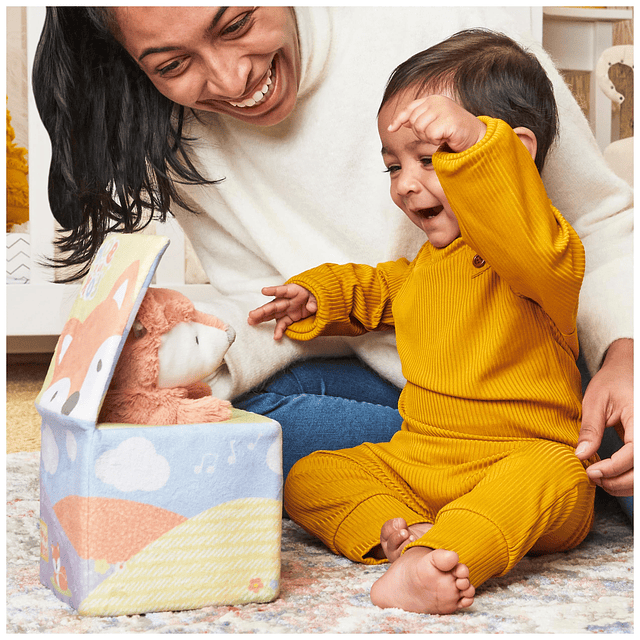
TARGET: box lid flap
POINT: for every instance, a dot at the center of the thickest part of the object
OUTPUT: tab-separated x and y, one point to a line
99	322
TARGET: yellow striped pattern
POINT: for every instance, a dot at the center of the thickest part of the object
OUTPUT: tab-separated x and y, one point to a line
486	333
229	554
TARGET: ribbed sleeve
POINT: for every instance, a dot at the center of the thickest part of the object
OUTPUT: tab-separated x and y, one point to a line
352	298
506	216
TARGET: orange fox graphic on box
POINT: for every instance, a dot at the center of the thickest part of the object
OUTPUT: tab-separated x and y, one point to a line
85	348
59	572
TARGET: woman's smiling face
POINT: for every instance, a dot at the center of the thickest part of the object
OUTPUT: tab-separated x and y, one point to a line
240	61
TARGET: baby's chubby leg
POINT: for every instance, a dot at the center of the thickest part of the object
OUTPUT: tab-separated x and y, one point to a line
425	580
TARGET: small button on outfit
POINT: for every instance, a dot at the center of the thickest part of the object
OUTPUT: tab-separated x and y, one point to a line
478	261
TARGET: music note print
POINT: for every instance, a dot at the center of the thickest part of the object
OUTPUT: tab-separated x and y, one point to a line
210	468
251	445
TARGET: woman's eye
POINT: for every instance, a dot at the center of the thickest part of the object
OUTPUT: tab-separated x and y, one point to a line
170	68
239	24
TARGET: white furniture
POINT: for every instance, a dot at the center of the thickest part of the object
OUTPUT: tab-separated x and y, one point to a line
618	154
575	37
36	312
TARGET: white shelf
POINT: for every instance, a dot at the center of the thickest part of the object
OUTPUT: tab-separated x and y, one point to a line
575	38
587	15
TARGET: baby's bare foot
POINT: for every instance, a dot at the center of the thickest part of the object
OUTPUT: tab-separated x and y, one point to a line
396	534
425	581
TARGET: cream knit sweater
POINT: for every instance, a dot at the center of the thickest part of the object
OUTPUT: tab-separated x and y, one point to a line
312	190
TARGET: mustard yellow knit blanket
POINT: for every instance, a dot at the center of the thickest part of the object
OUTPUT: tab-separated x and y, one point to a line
17	183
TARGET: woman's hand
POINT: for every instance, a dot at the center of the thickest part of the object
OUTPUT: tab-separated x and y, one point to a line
292	303
608	401
440	121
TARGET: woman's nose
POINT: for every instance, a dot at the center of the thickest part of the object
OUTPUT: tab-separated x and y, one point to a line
226	76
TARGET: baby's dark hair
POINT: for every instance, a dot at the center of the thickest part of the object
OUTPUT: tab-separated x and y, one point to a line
489	75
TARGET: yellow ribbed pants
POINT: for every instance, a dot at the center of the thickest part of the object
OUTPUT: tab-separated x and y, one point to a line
491	500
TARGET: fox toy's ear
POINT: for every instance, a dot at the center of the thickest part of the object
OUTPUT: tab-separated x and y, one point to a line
138	329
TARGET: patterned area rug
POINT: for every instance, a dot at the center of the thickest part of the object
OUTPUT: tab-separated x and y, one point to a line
588	590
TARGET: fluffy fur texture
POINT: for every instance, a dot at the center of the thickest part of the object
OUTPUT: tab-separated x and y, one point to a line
134	396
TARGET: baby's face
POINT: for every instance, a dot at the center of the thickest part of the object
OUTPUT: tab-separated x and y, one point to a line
415	187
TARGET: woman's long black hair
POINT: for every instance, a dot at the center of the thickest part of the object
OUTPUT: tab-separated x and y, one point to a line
117	143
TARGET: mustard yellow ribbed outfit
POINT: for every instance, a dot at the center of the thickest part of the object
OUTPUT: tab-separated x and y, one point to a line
486	333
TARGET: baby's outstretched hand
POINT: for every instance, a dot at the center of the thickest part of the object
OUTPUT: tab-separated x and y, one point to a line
291	303
440	121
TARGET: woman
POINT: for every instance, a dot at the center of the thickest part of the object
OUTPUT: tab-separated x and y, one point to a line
256	127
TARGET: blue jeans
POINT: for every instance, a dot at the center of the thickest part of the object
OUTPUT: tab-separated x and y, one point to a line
331	404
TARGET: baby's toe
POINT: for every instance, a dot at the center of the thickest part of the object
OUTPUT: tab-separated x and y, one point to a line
397	524
462	584
463	603
469	592
400	537
394	545
446	561
391	528
461	571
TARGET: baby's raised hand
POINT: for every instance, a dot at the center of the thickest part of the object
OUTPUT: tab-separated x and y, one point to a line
291	303
440	121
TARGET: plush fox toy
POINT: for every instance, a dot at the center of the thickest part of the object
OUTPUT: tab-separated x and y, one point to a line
171	348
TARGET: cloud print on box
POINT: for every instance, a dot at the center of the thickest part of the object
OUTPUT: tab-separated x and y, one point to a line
133	466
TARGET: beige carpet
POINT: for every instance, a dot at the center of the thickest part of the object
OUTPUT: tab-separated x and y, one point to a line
24	381
587	590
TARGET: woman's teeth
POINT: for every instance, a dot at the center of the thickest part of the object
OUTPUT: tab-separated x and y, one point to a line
258	96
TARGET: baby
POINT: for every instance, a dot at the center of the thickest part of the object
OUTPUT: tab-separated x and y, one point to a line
483	470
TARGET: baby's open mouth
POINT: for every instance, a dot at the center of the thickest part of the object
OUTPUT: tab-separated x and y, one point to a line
429	213
260	95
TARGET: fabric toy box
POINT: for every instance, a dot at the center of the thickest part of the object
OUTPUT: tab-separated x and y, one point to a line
136	518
